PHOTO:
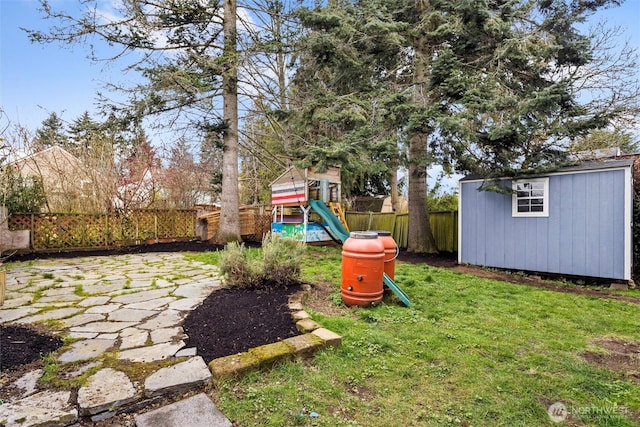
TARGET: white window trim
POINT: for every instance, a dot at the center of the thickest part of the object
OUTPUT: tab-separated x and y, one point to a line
545	198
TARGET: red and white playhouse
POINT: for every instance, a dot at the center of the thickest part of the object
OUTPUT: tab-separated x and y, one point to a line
290	195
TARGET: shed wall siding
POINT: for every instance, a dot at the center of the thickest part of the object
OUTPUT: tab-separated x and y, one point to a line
584	234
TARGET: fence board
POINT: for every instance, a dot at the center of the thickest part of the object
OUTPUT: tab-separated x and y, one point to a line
86	231
444	226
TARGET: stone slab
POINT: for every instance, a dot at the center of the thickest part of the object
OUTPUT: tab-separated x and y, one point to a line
139	276
307	325
138	284
305	345
57	298
151	353
196	411
83	335
165	334
82	369
103	309
140	296
153	304
295	306
45	409
269	354
51	315
85	350
102	327
93	301
28	383
329	337
107	389
130	315
105	288
137	339
9	315
180	377
15	301
185	304
50	304
109	336
187	352
233	365
129	331
166	319
299	315
82	319
194	290
62	292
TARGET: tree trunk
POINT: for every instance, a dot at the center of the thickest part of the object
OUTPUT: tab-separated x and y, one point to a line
393	183
229	226
420	238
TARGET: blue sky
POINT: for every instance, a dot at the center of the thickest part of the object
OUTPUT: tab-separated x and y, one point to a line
36	80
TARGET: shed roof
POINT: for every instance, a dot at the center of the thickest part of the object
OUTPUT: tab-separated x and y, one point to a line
582	167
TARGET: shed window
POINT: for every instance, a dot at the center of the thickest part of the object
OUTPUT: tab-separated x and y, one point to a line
531	197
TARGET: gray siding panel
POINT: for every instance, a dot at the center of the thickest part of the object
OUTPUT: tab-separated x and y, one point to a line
578	226
617	218
495	230
554	246
583	234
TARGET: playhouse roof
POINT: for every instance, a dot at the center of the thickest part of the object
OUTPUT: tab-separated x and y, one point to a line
292	173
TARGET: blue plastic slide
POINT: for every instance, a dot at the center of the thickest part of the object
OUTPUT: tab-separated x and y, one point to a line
335	226
388	281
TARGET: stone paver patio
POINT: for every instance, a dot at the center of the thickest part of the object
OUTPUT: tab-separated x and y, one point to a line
128	307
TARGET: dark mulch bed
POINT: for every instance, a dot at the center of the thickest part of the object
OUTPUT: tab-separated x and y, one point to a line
190	246
234	320
20	345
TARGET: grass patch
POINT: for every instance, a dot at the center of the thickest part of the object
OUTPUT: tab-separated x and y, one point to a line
214	257
39	293
469	351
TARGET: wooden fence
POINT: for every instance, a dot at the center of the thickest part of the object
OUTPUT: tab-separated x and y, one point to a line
86	231
255	221
444	226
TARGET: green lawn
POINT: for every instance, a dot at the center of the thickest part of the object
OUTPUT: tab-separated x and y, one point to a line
468	352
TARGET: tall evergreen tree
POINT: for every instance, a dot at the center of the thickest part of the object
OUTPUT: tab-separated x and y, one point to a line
484	87
52	132
83	131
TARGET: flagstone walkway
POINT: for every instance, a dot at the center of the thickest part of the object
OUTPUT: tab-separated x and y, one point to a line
126	307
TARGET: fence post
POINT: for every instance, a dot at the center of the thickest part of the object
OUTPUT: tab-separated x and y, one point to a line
33	231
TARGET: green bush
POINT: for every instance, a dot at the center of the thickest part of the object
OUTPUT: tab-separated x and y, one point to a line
279	265
236	266
281	260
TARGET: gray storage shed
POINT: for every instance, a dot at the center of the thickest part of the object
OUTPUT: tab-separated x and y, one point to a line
575	221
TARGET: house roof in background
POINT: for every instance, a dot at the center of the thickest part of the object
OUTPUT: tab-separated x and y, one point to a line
53	149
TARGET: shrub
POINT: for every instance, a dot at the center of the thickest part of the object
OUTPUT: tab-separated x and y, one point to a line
279	265
236	266
282	258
